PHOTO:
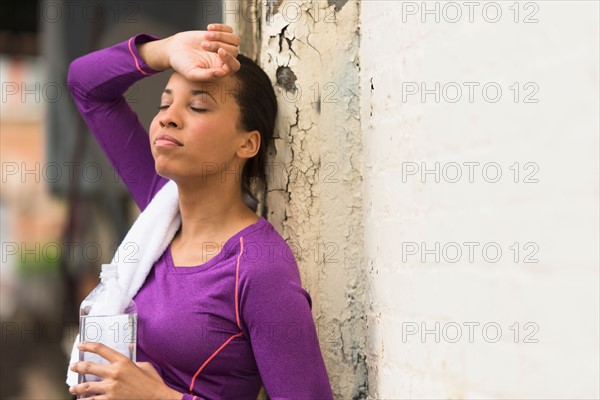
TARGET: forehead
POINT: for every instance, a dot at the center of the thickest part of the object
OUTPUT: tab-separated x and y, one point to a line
221	90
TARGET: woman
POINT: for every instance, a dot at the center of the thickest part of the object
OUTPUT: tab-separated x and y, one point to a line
222	311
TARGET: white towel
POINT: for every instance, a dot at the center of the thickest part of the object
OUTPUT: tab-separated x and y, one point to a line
145	242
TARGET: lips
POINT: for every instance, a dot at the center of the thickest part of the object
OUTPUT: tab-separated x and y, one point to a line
164	140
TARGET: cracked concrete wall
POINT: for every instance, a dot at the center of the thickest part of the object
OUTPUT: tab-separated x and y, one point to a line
310	50
244	17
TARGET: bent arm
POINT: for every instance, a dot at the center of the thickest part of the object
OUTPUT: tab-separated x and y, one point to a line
97	82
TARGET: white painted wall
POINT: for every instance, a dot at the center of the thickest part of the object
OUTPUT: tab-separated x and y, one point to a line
558	215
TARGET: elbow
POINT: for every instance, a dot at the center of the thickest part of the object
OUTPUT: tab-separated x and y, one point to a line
75	80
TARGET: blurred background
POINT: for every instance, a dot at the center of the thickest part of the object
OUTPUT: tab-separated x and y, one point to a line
63	210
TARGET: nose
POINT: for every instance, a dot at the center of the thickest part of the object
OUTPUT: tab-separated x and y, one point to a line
169	117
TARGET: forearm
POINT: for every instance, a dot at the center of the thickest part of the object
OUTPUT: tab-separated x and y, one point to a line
155	54
175	395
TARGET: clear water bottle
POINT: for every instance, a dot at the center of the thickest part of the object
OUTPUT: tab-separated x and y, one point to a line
109	316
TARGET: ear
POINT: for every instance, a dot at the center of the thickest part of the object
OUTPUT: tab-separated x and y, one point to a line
250	144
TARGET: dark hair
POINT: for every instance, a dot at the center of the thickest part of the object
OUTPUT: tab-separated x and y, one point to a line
258	110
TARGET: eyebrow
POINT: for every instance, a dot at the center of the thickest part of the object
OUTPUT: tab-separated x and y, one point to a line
194	92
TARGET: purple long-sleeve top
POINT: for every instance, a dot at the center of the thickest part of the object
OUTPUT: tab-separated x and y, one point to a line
222	329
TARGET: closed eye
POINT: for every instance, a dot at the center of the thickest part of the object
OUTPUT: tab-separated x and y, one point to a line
195	109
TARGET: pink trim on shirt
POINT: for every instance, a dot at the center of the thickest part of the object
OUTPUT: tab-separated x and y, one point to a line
211	357
237	274
237	316
137	65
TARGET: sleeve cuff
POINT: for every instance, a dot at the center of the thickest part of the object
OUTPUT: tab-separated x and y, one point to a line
137	59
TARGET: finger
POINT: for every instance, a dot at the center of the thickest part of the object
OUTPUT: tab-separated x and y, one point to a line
88	367
214	47
200	74
230	63
103	351
88	388
225	37
219	27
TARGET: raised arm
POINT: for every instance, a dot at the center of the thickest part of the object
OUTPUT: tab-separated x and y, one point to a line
97	82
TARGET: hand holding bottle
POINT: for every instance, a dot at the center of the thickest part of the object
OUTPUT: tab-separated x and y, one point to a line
121	379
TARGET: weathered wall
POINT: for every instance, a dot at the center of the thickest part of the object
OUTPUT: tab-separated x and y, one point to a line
244	17
310	49
550	209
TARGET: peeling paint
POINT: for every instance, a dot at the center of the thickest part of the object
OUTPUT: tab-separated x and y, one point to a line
337	4
315	200
283	35
272	8
370	102
286	79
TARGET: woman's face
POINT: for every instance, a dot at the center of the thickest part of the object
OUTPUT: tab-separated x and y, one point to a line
195	133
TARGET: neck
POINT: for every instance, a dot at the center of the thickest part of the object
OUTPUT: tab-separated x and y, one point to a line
212	210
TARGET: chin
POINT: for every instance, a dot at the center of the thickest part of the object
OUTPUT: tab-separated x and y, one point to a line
164	170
